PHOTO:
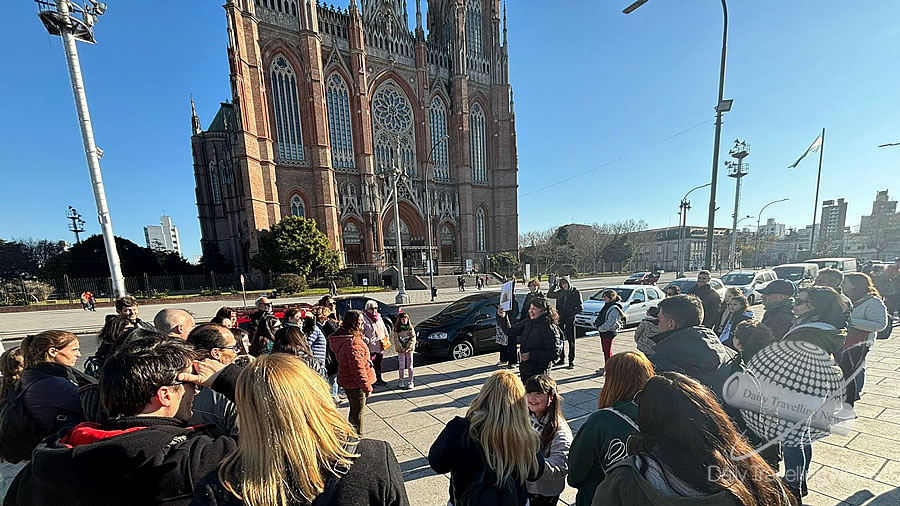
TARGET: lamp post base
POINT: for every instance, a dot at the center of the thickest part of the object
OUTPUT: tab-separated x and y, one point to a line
401	298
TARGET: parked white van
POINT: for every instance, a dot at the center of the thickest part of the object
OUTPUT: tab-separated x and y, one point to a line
841	264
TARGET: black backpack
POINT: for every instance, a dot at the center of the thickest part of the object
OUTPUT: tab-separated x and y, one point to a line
484	492
19	434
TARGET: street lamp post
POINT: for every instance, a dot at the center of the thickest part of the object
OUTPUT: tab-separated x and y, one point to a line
395	173
59	19
737	170
428	215
758	218
722	106
684	206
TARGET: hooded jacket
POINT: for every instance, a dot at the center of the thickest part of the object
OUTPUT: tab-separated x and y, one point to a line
869	315
354	364
536	337
568	302
696	352
132	460
779	317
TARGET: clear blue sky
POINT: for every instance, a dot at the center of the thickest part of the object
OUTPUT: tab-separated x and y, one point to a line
591	86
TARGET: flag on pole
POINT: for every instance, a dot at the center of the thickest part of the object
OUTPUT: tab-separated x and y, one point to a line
815	146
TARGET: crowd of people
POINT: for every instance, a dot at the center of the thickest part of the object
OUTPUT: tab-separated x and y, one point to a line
177	412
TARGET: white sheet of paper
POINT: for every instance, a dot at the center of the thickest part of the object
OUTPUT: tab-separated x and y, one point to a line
506	295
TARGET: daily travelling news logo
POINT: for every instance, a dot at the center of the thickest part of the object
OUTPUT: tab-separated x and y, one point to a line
792	393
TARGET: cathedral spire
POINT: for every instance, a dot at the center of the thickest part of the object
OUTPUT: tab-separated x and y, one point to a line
195	121
504	24
419	16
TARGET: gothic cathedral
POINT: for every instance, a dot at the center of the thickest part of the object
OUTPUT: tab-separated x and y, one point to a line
328	102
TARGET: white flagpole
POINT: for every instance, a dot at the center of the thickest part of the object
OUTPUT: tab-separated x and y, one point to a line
812	235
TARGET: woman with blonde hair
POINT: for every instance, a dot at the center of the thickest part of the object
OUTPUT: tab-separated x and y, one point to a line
494	450
296	448
600	442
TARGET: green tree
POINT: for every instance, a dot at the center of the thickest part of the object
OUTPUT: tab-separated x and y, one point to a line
295	245
15	260
506	264
619	250
87	259
213	260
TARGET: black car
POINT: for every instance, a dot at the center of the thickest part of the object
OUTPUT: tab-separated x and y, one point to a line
463	328
388	311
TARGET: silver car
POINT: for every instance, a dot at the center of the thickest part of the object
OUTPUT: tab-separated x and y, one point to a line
636	299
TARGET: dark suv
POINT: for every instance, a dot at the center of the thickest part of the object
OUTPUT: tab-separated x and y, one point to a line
463	328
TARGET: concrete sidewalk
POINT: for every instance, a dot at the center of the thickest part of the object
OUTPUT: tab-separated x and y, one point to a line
861	468
14	326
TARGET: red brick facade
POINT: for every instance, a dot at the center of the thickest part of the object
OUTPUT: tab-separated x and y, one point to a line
321	99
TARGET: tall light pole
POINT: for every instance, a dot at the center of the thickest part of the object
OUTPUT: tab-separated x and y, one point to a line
428	215
684	206
722	106
395	173
758	218
737	170
71	26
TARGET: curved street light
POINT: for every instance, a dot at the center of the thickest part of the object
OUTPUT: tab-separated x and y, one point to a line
428	161
722	105
758	218
684	206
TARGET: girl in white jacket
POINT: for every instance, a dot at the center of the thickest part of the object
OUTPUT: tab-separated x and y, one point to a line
545	407
869	316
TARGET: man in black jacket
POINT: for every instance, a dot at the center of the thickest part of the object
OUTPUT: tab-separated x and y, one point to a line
779	303
684	346
146	453
712	302
568	304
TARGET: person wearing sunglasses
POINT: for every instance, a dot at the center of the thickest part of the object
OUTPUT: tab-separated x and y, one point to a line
146	452
822	316
218	343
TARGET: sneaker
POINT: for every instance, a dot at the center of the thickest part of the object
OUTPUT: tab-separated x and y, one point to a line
380	383
410	385
571	365
501	364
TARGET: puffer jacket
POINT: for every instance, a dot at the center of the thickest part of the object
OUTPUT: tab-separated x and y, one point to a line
779	318
556	460
52	396
869	315
824	335
529	298
610	318
643	335
568	302
696	352
712	304
407	336
536	337
354	366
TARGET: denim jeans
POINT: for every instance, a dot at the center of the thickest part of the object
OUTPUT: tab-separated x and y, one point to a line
796	465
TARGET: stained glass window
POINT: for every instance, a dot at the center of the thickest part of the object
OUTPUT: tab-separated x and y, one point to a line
339	123
438	131
479	229
479	156
287	111
473	28
297	207
392	118
214	183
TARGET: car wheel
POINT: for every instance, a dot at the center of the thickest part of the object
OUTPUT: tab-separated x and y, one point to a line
581	331
751	300
461	349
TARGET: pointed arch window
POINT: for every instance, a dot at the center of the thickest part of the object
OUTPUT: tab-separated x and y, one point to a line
215	189
473	28
391	238
438	131
479	229
298	209
392	118
287	111
478	144
339	123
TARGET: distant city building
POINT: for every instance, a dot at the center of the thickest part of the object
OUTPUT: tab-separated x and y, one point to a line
163	237
880	231
664	244
772	229
833	224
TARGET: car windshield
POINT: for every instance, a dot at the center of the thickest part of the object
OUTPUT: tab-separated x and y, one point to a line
737	279
460	307
684	284
623	292
790	273
637	275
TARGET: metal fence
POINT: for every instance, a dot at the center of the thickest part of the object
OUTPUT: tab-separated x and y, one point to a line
68	289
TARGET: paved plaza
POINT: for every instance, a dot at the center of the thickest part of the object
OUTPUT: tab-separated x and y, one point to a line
860	468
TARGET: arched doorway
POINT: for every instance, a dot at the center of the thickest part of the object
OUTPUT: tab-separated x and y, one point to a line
412	236
448	243
353	249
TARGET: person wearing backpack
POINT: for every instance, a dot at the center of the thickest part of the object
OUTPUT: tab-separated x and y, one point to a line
545	407
50	381
601	441
537	337
483	473
609	323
